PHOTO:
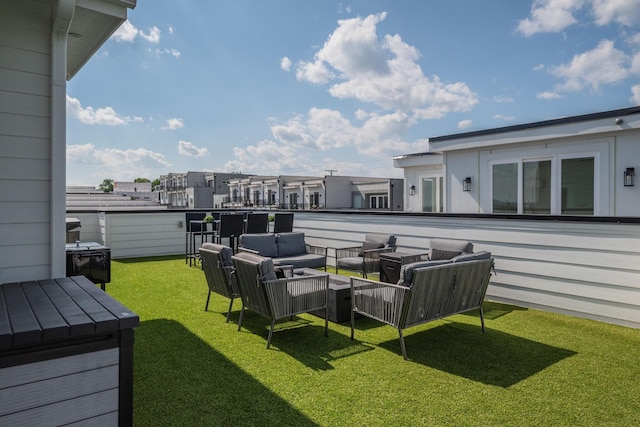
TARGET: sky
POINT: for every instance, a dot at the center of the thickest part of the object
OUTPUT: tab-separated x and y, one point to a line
320	87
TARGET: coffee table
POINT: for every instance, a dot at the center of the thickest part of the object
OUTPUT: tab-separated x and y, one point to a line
339	303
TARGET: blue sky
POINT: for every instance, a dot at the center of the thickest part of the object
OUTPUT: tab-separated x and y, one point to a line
290	87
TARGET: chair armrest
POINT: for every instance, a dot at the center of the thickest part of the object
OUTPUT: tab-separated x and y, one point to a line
379	300
285	269
251	251
298	294
314	249
349	252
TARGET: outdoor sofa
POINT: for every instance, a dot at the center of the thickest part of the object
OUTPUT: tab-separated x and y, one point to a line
426	291
285	249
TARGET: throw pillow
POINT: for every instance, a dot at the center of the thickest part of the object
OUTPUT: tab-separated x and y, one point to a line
290	244
367	246
441	254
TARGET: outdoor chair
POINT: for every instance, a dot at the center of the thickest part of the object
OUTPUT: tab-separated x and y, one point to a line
194	229
427	291
218	270
274	298
283	223
230	227
365	258
257	223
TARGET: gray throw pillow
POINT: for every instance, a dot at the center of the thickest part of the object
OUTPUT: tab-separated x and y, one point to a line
264	244
290	244
441	254
461	246
265	265
225	252
472	257
367	246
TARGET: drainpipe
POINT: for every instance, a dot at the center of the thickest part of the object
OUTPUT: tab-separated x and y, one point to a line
62	14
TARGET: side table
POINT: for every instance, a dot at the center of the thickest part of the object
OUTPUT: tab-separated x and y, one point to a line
391	263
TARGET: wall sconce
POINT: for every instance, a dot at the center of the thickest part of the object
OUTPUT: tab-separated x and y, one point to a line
412	190
628	177
466	184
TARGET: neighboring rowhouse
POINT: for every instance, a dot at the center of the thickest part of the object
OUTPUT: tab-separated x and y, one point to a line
581	165
315	192
195	190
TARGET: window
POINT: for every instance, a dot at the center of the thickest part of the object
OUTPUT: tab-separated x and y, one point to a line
550	186
432	194
378	202
505	188
577	186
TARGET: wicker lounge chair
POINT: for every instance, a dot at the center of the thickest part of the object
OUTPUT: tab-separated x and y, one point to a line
218	270
427	291
365	258
276	298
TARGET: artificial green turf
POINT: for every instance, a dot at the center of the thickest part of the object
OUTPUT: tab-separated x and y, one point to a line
530	368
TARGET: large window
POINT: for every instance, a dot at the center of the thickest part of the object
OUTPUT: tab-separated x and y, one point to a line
549	186
432	194
577	186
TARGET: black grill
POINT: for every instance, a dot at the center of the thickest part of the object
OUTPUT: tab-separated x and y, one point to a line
89	259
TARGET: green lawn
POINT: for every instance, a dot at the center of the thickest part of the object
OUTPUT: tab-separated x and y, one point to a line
530	368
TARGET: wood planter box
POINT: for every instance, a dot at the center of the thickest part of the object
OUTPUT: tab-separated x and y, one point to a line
66	354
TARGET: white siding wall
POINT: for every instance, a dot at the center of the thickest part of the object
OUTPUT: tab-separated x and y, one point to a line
25	171
586	269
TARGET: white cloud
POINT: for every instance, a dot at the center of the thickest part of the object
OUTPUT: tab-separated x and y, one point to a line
100	116
381	72
171	29
503	99
166	51
127	32
538	67
173	124
603	65
635	95
285	63
465	124
503	118
548	95
549	16
186	148
623	12
123	164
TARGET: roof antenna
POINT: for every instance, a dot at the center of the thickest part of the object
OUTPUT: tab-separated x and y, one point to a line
331	171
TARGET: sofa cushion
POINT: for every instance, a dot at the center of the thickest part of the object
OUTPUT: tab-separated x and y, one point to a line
302	261
472	257
265	265
264	244
367	246
385	239
225	252
448	248
406	272
290	244
350	263
441	254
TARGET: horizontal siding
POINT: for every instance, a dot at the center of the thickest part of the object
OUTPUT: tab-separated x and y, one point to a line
25	104
20	82
584	269
19	147
25	126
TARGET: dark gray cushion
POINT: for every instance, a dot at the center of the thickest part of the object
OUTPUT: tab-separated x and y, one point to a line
367	246
460	246
265	265
225	252
472	257
264	244
351	263
384	239
441	254
302	261
290	244
406	273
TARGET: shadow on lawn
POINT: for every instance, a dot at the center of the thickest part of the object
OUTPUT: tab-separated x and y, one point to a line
493	358
180	380
303	340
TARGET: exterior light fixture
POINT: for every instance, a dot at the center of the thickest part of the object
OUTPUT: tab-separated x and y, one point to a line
619	121
628	177
466	184
412	190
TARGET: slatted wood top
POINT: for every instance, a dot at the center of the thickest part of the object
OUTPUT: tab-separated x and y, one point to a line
57	310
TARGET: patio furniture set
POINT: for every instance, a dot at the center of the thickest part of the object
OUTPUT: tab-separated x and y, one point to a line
279	276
